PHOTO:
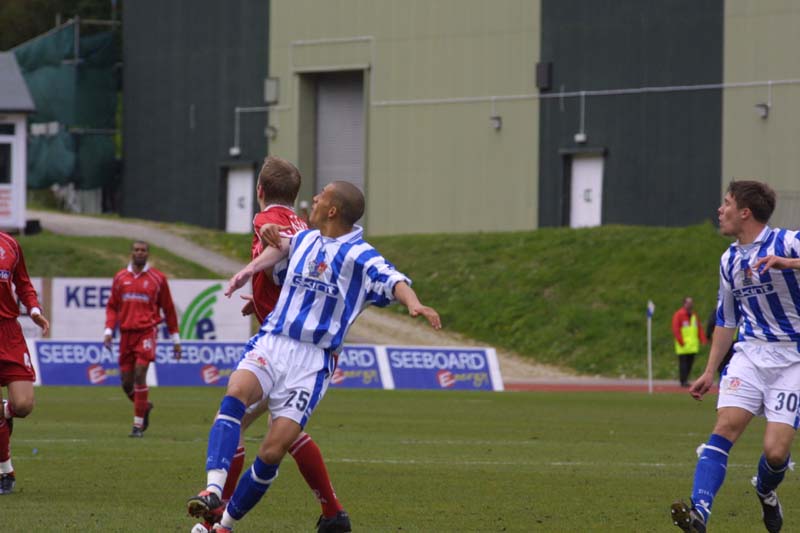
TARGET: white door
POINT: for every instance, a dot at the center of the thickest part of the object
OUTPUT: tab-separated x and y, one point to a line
239	212
585	208
340	129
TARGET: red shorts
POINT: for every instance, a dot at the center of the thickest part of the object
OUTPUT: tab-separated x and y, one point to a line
137	347
15	362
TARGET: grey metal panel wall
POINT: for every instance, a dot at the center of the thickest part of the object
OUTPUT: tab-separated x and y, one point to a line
187	65
663	151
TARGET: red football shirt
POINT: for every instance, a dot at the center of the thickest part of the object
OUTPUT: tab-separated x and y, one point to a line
136	299
265	291
14	279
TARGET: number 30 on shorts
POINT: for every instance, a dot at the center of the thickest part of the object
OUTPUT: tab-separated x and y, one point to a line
299	400
787	401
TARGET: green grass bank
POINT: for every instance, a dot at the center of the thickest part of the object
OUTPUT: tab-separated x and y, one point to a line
573	298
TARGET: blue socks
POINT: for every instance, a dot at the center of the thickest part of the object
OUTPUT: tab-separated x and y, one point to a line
251	488
710	473
224	436
769	477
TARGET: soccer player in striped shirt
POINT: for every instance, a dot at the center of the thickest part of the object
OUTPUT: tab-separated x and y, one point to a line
138	292
759	290
16	370
278	185
331	275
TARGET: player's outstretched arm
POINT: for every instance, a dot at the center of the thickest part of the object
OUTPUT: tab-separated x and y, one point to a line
406	296
267	259
776	261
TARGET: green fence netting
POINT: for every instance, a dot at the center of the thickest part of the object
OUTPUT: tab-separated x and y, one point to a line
80	94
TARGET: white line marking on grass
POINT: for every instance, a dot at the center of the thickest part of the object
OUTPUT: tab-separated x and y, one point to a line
472	442
514	463
37	441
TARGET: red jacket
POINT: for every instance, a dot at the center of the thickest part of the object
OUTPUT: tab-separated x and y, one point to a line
14	279
136	298
265	291
681	318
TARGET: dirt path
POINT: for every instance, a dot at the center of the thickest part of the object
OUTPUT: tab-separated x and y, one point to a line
379	326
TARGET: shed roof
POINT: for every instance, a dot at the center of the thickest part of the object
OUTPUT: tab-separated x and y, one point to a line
14	94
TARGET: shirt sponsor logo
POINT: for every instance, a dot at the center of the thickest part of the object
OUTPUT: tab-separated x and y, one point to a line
315	285
136	296
754	290
5	274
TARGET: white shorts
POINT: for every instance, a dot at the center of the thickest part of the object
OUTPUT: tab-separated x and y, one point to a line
294	376
771	391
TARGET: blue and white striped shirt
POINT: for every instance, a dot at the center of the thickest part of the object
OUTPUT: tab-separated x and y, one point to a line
326	283
765	306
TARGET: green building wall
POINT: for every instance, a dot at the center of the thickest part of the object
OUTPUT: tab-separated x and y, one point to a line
761	45
435	72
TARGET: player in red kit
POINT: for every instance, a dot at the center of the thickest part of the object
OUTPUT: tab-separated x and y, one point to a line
278	185
137	294
16	370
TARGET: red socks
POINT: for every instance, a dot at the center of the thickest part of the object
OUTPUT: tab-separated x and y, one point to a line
5	448
140	401
309	460
237	463
311	465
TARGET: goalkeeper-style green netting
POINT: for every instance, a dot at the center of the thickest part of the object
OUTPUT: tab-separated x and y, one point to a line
79	93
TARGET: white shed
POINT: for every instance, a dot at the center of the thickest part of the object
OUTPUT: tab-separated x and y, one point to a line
15	106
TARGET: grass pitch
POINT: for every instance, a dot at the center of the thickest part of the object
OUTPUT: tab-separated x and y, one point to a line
400	461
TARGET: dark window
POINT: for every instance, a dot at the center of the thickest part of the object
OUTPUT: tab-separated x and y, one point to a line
5	163
6	129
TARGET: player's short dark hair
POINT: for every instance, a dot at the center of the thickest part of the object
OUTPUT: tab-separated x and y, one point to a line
280	180
349	200
754	195
140	241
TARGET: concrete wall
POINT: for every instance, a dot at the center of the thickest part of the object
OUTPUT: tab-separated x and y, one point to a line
434	163
761	44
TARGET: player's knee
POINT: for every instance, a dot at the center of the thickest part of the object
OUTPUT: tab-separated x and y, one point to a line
23	408
776	456
273	452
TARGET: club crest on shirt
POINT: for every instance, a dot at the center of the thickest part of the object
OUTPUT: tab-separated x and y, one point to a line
317	268
2	253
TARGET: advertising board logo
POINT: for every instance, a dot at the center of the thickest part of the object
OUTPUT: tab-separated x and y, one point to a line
210	374
445	378
96	374
197	322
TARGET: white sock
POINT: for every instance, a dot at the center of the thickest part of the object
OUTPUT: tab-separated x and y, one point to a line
6	467
215	480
